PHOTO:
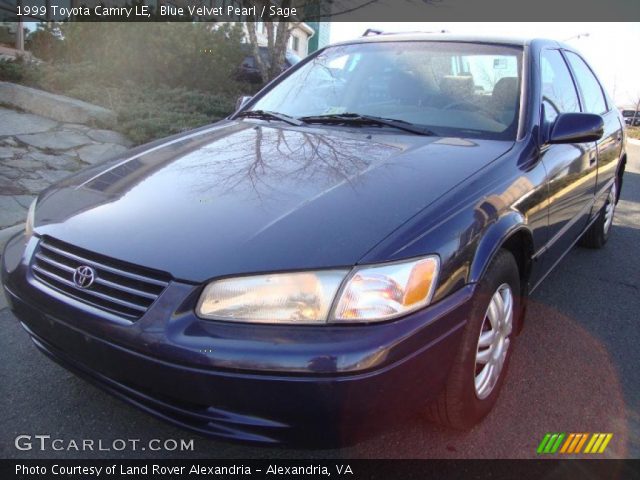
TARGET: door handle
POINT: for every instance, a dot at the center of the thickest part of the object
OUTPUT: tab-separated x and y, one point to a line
592	159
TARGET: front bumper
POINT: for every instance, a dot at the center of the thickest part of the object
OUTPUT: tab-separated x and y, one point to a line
259	383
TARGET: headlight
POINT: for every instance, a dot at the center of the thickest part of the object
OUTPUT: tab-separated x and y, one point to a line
368	294
382	292
275	298
28	226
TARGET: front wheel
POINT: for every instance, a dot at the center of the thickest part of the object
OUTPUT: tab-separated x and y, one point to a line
478	373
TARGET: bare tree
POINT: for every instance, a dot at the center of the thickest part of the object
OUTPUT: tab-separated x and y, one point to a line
277	35
263	163
278	29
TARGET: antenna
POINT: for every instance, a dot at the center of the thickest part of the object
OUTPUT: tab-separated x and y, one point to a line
371	31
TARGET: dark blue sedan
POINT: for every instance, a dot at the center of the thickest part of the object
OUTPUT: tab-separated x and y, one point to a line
356	242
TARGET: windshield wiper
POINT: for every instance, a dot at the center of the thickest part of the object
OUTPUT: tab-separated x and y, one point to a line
267	115
360	119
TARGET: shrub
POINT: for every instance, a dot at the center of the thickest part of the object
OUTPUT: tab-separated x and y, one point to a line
159	78
44	43
144	113
176	54
147	115
12	70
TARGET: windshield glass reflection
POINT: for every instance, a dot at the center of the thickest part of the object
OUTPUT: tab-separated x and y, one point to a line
455	89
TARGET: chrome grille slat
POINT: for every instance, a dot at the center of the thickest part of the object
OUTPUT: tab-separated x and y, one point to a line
99	280
95	264
115	289
61	266
68	283
133	291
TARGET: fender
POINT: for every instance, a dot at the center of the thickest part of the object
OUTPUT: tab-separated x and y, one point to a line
509	223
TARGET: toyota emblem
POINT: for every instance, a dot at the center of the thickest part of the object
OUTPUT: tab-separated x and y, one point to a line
84	276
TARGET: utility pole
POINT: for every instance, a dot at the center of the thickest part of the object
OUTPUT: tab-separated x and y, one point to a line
20	35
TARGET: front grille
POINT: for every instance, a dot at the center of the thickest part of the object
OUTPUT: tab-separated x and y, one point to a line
118	287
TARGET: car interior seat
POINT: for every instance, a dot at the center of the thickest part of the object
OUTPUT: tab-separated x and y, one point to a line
504	99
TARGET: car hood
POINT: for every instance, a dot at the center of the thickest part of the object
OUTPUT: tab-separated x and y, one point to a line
245	196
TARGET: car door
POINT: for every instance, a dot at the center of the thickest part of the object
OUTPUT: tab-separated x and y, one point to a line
571	168
609	146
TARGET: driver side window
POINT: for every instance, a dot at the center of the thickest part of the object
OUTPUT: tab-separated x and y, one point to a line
558	90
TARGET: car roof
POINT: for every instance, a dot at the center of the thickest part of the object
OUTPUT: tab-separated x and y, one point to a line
448	37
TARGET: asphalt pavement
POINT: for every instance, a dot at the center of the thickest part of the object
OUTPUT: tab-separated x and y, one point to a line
575	369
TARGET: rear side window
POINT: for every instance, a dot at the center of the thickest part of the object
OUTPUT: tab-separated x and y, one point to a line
558	91
593	97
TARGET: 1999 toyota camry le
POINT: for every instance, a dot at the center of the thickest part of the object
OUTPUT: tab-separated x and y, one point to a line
357	240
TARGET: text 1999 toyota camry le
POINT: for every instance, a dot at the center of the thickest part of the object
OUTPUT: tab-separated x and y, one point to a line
356	241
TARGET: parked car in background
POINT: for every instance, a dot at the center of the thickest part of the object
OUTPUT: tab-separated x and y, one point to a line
357	242
631	117
248	70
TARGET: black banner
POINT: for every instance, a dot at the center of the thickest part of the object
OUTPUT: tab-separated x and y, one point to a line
341	469
318	10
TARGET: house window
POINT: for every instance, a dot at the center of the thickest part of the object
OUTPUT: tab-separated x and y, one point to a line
295	44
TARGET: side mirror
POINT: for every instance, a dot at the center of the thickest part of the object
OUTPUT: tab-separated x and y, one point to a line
242	101
577	128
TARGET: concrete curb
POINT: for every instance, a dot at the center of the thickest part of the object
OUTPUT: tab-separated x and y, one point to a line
633	141
57	107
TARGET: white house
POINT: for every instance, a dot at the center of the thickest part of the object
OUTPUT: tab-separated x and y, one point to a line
298	41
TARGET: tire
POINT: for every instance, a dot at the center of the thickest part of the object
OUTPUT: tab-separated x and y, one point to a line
461	404
598	233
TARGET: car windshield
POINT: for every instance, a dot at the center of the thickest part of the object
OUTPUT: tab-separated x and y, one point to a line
451	88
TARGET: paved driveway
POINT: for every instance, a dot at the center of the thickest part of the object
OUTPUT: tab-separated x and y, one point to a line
576	369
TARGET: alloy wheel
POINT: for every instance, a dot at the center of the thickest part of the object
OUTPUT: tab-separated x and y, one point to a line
493	342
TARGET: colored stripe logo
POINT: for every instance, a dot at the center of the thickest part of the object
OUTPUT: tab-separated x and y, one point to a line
568	443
